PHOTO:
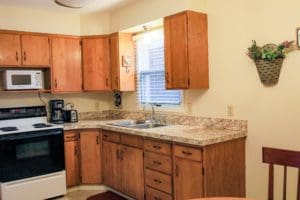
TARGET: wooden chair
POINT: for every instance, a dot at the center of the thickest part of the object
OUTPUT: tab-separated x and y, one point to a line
284	158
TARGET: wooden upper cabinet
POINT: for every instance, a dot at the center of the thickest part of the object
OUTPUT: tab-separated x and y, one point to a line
66	65
10	50
35	50
122	62
24	50
90	154
96	68
186	51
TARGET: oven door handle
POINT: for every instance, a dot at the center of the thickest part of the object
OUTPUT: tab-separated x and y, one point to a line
32	134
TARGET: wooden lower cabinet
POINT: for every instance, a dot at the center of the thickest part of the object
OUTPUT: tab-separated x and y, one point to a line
90	153
188	179
152	169
123	167
132	172
72	158
111	164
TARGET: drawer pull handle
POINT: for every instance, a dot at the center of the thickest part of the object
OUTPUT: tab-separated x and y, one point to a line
118	154
176	170
70	137
157	198
105	136
157	181
156	162
187	153
156	147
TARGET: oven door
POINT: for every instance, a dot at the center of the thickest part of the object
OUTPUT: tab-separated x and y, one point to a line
29	154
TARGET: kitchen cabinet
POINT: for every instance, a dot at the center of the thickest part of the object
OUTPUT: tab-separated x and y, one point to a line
186	51
71	139
123	164
35	50
111	161
90	157
188	179
96	67
10	50
122	62
132	172
66	65
24	50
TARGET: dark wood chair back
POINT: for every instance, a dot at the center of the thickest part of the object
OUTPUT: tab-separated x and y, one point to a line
284	158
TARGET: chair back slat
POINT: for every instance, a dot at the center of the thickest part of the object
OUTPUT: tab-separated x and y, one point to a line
284	183
285	158
298	186
281	157
271	182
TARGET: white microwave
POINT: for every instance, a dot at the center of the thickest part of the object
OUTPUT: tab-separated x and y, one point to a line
22	79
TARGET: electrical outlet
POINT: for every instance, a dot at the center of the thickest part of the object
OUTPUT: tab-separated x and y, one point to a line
230	112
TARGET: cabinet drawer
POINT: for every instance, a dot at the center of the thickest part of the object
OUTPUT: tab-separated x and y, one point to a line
111	136
158	147
158	162
152	194
71	136
188	152
130	140
159	181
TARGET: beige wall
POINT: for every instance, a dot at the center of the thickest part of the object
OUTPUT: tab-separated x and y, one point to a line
95	23
148	10
83	102
272	112
25	19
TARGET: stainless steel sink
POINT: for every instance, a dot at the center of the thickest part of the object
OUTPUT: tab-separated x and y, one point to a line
137	124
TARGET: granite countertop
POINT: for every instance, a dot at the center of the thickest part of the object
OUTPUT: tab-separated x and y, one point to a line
187	134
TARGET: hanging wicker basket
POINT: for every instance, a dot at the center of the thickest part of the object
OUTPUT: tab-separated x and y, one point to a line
269	71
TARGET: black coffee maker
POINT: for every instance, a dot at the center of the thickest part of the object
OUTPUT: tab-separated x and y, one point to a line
56	109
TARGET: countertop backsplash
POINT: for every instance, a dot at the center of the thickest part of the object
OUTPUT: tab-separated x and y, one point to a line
169	118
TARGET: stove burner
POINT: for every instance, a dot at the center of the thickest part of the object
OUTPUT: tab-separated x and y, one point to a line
41	125
8	128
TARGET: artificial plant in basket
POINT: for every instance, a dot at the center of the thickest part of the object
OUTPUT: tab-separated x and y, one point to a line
268	59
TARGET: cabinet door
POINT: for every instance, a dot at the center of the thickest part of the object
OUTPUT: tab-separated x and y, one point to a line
10	50
176	51
66	65
72	163
96	69
127	62
132	172
111	164
90	155
188	179
114	62
35	50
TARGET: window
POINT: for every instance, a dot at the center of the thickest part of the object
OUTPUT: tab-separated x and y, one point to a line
151	70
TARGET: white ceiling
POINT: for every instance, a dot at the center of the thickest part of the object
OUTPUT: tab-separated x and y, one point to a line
93	6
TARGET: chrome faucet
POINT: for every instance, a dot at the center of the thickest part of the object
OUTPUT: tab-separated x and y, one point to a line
153	117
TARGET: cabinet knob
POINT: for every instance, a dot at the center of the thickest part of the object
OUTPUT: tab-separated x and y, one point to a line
156	162
167	77
157	181
187	153
176	170
106	82
24	57
156	147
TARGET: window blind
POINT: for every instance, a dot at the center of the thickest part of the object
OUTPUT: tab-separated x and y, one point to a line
151	70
